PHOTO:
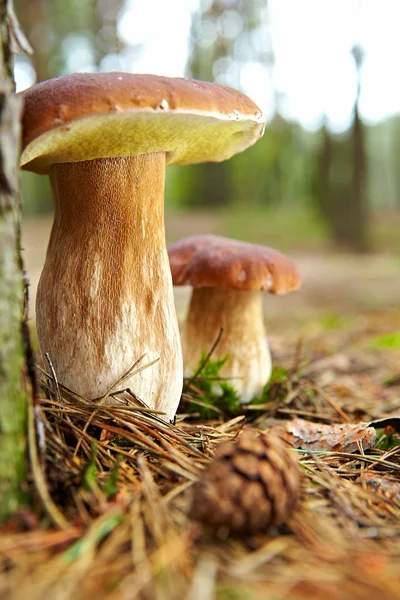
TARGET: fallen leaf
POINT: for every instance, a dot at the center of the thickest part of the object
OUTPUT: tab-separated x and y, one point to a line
344	437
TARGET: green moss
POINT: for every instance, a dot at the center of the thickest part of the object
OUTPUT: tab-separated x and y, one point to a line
388	341
278	377
214	395
13	413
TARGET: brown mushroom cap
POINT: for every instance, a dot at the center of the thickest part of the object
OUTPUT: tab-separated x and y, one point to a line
214	261
84	116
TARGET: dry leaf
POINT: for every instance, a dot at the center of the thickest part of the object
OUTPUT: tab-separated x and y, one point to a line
345	437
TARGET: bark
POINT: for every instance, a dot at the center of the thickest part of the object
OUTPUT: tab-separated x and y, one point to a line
13	395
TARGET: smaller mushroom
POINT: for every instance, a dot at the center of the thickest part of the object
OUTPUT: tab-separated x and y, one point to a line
228	278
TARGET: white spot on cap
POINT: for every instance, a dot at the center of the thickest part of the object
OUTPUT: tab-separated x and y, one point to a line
268	282
242	276
163	105
120	78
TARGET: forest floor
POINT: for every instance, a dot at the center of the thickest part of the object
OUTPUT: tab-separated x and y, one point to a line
115	517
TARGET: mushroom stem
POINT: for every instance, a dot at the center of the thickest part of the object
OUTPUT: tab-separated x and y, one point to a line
105	296
244	338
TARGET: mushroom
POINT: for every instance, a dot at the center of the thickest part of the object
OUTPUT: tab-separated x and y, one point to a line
105	296
228	278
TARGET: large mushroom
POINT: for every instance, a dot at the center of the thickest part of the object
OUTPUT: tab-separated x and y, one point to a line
228	279
105	296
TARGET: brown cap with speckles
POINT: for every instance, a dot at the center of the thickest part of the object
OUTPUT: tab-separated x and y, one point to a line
214	261
84	116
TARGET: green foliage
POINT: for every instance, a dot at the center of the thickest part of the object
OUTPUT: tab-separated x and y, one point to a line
280	226
278	376
110	486
233	592
389	341
89	475
387	440
86	543
334	322
274	171
36	194
214	395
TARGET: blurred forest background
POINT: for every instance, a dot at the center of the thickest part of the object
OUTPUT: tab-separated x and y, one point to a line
325	175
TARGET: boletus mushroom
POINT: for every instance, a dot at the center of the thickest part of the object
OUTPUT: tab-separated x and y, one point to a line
105	295
228	279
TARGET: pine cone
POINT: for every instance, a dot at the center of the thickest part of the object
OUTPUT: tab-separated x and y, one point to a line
251	484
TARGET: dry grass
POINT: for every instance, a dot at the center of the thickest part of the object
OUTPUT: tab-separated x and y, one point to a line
114	500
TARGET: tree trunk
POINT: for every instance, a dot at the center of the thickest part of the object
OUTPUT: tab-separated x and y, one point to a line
322	184
358	214
13	395
34	19
341	196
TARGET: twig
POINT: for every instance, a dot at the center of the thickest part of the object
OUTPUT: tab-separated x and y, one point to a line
53	375
41	486
330	401
130	372
207	358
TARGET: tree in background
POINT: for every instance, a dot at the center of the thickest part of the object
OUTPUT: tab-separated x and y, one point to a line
340	178
63	35
358	208
227	37
223	40
56	30
13	333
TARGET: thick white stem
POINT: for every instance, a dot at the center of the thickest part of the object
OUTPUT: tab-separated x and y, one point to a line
105	296
244	338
